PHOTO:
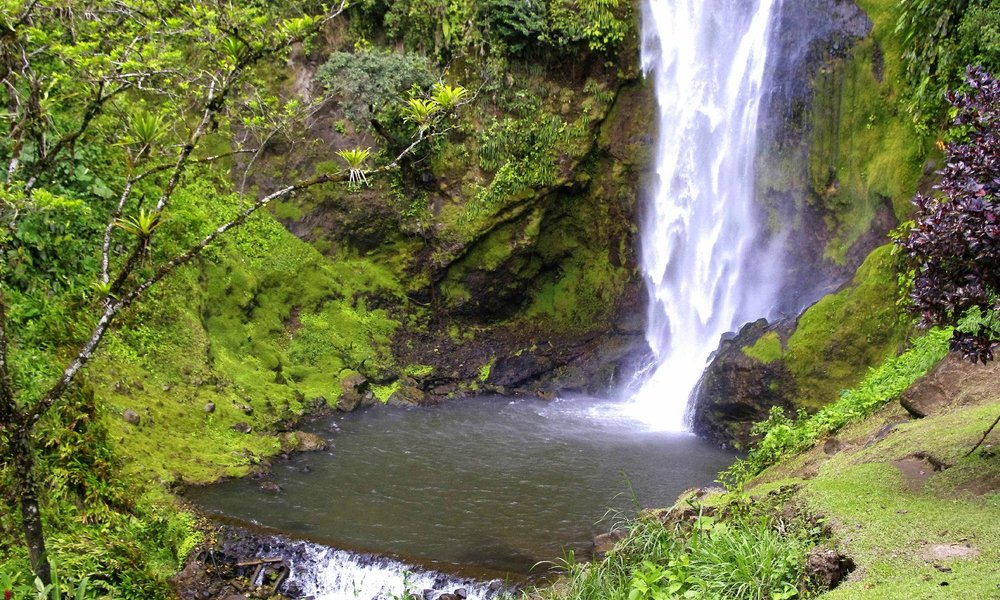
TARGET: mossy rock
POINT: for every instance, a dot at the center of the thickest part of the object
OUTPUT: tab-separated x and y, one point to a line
837	339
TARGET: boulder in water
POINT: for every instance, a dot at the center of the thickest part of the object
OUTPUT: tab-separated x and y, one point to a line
408	395
354	389
300	441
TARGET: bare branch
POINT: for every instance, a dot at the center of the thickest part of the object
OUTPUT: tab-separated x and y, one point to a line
185	257
86	352
25	15
213	104
126	192
985	435
115	214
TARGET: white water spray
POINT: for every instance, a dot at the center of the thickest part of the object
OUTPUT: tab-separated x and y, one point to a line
707	264
323	573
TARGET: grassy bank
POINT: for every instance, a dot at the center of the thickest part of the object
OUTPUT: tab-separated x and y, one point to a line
895	496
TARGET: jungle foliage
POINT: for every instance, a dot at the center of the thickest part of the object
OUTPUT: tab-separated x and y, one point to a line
124	119
941	37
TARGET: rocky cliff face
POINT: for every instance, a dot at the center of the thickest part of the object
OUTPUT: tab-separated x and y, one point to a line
510	237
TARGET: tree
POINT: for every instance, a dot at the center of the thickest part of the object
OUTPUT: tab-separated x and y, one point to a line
143	88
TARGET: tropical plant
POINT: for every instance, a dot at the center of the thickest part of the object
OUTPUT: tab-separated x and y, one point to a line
355	159
954	243
66	74
420	112
145	128
448	97
142	224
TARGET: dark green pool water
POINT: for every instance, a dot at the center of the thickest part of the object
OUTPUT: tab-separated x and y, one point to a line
490	482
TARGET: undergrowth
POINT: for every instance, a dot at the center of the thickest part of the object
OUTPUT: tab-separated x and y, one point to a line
747	555
783	437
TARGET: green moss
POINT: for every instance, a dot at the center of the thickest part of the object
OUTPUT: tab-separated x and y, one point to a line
384	392
864	152
261	330
843	334
484	371
766	350
287	211
418	371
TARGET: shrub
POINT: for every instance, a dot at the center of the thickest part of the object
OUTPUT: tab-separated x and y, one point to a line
368	81
954	244
939	38
516	24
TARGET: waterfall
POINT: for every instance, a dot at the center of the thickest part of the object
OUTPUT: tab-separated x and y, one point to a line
323	573
709	262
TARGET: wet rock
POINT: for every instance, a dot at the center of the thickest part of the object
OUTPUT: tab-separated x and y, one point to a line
131	416
242	427
245	408
826	568
270	487
606	542
737	390
462	593
516	370
210	407
355	388
300	441
445	389
408	396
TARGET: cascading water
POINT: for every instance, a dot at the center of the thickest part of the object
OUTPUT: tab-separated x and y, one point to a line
709	263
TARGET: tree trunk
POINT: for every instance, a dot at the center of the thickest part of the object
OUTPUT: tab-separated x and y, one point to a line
31	516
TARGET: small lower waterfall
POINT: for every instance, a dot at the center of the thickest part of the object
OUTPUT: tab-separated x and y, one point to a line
323	573
709	262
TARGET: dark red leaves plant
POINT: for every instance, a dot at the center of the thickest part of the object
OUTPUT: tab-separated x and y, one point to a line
954	245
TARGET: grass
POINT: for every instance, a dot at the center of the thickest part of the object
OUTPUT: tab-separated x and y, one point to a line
744	556
890	525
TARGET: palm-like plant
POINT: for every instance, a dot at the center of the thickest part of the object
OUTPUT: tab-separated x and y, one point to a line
232	48
420	112
355	159
141	224
448	97
145	128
